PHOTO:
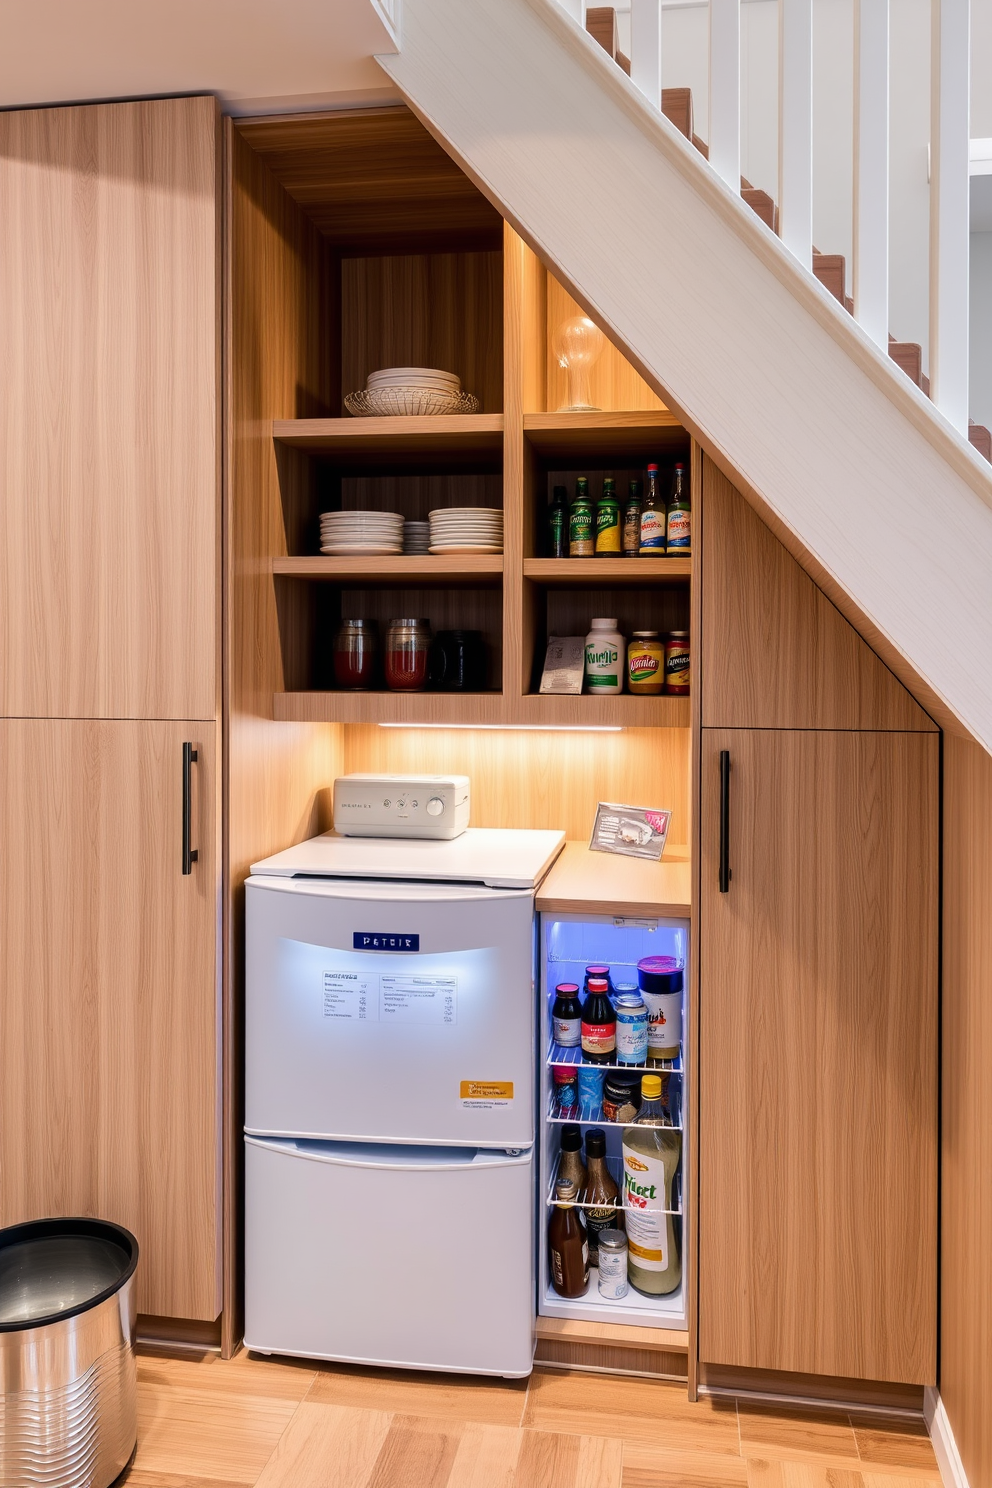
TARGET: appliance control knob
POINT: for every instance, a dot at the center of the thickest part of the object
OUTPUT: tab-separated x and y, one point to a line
435	806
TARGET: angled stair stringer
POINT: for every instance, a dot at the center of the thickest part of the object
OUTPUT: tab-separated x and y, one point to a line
875	494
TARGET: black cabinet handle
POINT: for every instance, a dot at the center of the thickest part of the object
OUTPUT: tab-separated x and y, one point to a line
190	854
724	820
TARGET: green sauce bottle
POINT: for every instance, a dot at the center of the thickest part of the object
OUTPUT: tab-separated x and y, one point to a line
581	543
608	521
631	541
558	524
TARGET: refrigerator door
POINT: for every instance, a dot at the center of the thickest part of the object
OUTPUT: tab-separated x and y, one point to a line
401	1012
409	1256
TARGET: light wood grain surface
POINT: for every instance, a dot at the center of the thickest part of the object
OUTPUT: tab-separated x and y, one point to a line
778	653
616	570
279	317
109	963
966	1132
482	708
296	1425
584	882
379	439
613	384
549	780
616	433
109	411
818	1055
435	568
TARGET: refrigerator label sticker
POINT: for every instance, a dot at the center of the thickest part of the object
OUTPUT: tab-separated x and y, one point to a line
486	1095
411	997
350	994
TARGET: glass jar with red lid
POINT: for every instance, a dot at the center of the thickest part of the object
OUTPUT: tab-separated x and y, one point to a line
356	652
407	645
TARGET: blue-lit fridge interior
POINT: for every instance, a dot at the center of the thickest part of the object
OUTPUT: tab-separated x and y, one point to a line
570	943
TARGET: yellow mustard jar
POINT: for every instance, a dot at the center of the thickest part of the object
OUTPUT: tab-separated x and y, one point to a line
645	662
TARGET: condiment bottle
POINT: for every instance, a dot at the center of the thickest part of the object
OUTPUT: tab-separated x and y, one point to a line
631	540
568	1250
606	655
653	518
601	971
558	523
580	522
570	1164
660	979
652	1149
645	663
608	521
601	1196
678	536
599	1024
566	1016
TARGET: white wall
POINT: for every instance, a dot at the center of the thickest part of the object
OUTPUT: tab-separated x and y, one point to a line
684	64
980	391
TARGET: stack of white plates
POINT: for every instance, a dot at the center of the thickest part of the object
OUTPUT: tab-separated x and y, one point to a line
399	391
416	537
467	529
358	532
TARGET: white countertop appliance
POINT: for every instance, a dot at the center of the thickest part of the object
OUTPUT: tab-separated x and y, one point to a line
435	806
389	1100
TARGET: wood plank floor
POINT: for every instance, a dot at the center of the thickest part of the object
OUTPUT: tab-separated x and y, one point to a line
255	1423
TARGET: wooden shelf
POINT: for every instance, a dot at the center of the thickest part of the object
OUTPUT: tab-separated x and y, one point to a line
396	441
597	571
394	571
603	712
389	707
619	1335
584	882
642	433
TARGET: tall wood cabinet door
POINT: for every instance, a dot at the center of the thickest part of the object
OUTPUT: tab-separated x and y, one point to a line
818	1029
109	969
109	407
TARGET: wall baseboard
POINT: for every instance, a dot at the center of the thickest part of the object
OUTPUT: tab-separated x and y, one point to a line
945	1447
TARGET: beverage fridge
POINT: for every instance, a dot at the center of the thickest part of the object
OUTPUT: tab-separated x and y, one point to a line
570	944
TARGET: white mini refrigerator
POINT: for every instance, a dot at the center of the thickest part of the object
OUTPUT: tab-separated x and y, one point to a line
391	1023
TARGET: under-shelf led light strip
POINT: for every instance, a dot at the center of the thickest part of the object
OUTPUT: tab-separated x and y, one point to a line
518	728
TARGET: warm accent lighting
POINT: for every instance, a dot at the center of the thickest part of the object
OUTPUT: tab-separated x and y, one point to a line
519	728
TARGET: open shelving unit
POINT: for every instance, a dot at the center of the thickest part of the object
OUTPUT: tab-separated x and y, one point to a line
489	316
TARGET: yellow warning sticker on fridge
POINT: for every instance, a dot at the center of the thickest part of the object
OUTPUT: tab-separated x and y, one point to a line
486	1094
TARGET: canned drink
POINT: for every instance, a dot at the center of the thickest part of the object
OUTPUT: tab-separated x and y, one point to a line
566	1086
612	1264
632	1028
677	663
590	1087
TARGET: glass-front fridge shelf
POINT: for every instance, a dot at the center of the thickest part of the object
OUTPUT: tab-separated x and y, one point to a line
616	1173
591	1114
558	1054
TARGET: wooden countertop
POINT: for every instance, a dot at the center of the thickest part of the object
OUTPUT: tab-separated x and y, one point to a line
599	883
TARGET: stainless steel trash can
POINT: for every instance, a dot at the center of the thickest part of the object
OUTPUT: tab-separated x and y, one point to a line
67	1372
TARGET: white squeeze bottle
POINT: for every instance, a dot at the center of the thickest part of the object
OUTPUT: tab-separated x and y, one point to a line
606	652
651	1152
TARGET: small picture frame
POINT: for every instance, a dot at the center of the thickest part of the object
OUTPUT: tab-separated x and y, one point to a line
564	666
631	831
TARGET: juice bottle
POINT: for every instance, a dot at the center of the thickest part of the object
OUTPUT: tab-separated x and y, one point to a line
568	1252
652	1149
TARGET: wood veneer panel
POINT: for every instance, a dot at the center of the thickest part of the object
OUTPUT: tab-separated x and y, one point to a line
280	325
966	1132
584	882
109	411
614	384
778	653
109	964
437	568
403	440
368	178
818	1055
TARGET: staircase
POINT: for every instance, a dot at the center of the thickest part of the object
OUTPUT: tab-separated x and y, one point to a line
829	268
874	491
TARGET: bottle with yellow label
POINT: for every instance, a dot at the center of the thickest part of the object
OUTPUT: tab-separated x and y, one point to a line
652	1150
608	521
645	663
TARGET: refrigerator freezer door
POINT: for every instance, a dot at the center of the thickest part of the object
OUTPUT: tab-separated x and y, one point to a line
390	1012
408	1256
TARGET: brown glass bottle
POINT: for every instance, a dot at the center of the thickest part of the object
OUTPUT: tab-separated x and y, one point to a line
568	1253
570	1164
601	1196
599	1024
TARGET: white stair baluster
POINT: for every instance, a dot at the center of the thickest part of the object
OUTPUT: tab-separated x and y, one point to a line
950	76
645	48
795	128
725	91
871	169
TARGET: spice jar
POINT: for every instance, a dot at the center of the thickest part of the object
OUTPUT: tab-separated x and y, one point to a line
612	1249
621	1097
356	649
407	646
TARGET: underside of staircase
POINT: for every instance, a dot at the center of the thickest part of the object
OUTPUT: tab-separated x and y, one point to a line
885	505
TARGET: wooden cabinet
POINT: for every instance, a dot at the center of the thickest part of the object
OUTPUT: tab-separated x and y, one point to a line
818	994
109	1080
109	408
818	1054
